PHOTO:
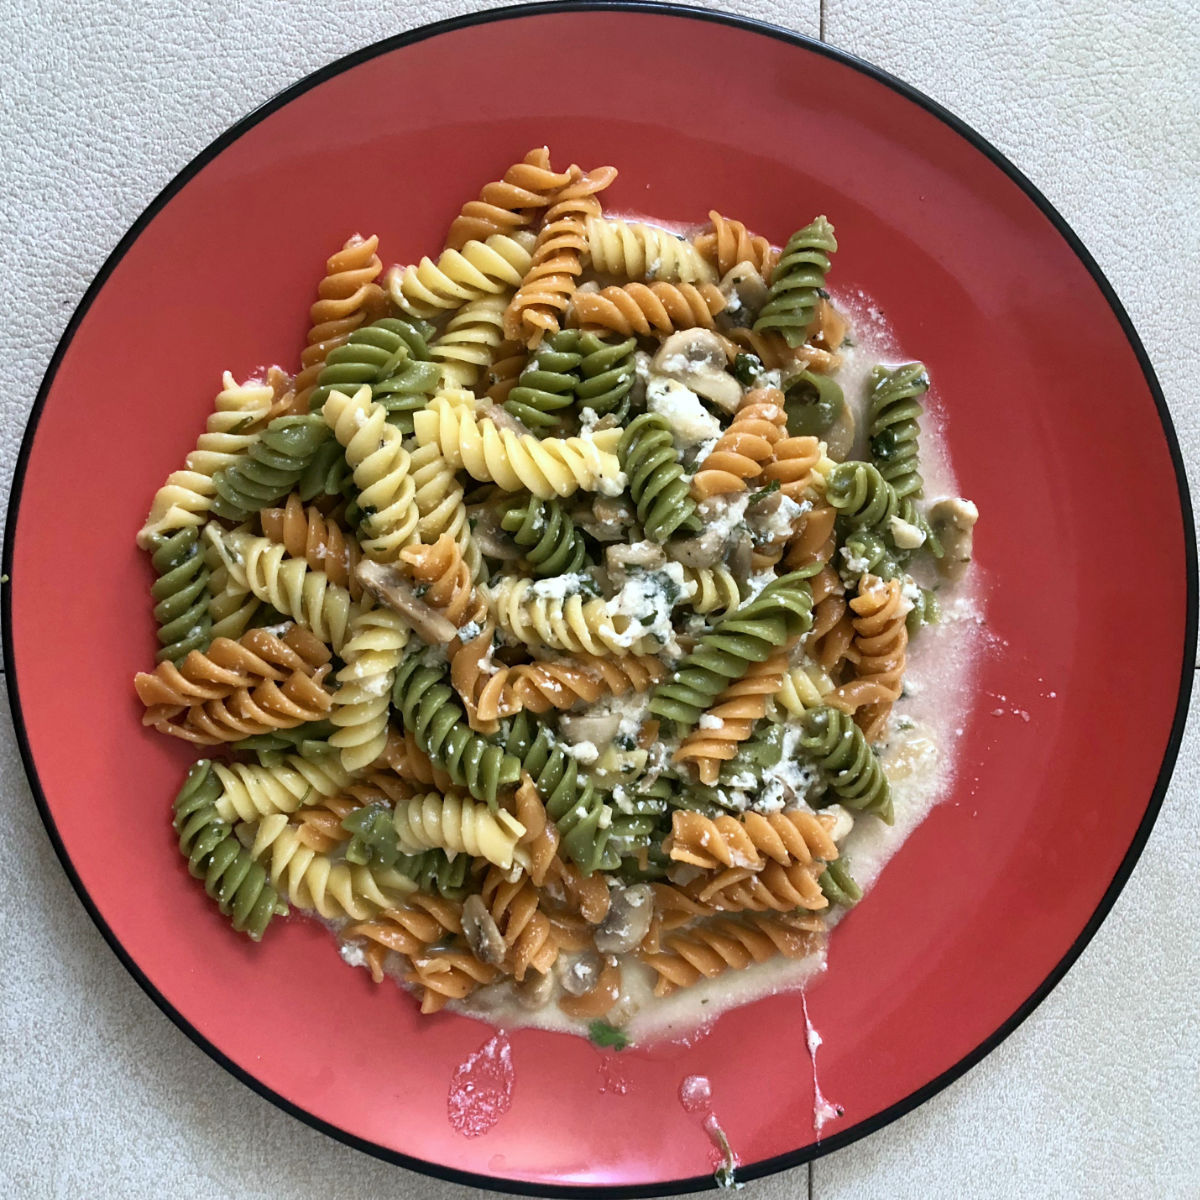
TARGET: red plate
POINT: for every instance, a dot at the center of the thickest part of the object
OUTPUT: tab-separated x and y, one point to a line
1057	429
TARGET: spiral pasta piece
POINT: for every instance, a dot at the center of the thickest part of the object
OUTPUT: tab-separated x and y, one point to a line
446	580
409	930
728	243
711	589
850	770
732	718
571	624
561	684
748	842
515	906
186	498
347	297
780	613
881	639
360	705
546	467
270	467
709	950
458	825
648	308
308	534
744	449
247	712
803	688
320	826
470	341
390	356
448	975
180	594
509	204
547	535
429	710
539	842
250	791
798	277
331	887
382	472
231	606
227	666
794	465
546	387
440	508
606	375
656	480
583	819
231	876
632	250
558	258
778	887
488	268
894	411
290	586
861	495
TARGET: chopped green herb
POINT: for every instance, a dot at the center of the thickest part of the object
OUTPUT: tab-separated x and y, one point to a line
763	493
747	368
603	1034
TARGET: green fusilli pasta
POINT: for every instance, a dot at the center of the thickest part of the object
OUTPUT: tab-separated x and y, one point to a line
231	877
270	468
656	480
798	278
546	387
542	528
863	498
848	766
180	594
392	356
781	612
606	375
838	884
431	710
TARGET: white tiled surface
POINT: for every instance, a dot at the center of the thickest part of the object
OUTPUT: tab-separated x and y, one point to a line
1098	1093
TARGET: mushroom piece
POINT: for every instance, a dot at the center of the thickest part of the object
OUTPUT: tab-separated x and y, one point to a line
394	591
745	292
840	437
628	920
534	991
644	555
581	976
696	358
816	407
953	520
739	556
481	932
489	537
704	550
607	518
597	728
906	535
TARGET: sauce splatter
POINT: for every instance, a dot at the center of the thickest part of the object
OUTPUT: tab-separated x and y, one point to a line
481	1088
823	1110
695	1094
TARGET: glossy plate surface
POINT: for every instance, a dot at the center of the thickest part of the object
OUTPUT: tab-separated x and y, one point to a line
1056	428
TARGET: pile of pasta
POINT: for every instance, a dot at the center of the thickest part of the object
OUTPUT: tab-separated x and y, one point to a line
546	627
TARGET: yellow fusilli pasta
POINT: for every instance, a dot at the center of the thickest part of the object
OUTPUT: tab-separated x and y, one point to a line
479	269
634	251
458	825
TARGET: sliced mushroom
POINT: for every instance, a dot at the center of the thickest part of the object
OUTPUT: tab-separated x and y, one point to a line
739	555
696	357
534	991
503	419
482	933
704	550
644	555
953	520
489	537
628	920
840	438
394	591
581	976
606	518
597	728
745	292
